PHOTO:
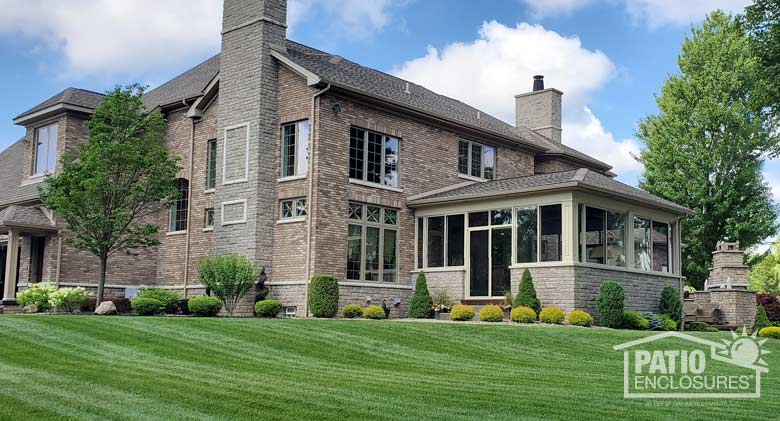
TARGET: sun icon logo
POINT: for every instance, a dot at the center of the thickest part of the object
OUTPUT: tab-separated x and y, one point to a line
745	349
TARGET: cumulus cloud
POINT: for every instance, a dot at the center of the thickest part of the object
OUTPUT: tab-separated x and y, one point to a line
554	7
112	37
657	13
500	63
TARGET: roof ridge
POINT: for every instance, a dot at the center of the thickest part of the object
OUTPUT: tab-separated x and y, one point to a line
580	174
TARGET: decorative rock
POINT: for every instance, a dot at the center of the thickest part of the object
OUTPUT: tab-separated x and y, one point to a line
32	308
105	308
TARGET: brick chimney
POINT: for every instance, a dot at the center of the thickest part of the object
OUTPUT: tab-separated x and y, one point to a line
540	110
245	197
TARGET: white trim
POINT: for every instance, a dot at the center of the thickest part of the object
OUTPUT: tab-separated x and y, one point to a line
237	221
472	178
209	229
291	220
290	178
442	269
284	283
374	285
311	78
209	191
56	107
225	181
173	233
374	185
34	179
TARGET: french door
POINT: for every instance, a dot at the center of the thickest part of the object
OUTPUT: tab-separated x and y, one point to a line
490	255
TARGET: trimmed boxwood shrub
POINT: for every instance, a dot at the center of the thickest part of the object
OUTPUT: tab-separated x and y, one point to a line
324	296
653	321
268	308
204	306
712	329
526	295
552	315
462	313
762	320
183	305
770	332
143	306
352	311
696	326
580	318
635	321
421	306
522	315
610	304
671	304
491	313
170	299
667	323
374	312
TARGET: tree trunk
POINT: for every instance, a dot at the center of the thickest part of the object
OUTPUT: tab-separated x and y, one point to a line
101	279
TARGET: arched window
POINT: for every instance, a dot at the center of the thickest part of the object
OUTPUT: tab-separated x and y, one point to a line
179	208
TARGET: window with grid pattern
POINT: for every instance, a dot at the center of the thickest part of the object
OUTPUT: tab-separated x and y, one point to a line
180	207
373	157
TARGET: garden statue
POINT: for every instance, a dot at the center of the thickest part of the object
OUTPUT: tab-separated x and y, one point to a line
262	290
386	309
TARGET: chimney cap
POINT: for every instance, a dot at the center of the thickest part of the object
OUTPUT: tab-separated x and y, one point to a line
538	77
538	83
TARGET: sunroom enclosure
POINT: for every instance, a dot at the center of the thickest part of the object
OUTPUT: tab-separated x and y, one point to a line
486	239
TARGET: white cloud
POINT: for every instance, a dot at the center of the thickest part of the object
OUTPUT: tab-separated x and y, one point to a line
500	63
111	37
657	13
541	9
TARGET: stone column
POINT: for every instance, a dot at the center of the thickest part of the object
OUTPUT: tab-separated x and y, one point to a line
12	256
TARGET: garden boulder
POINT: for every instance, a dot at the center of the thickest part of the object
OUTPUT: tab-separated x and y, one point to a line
32	308
105	308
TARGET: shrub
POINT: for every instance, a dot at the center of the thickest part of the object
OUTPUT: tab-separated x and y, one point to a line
653	320
68	299
635	321
204	306
609	304
696	326
526	295
324	296
146	306
491	313
770	332
36	294
773	311
229	277
765	298
762	320
374	312
352	310
667	323
441	301
580	318
711	329
421	306
522	315
462	313
552	315
671	304
268	308
170	299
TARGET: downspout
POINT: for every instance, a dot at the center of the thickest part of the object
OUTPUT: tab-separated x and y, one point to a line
189	209
310	213
59	259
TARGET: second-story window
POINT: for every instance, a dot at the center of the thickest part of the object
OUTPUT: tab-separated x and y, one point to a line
373	157
476	160
295	148
180	206
45	158
211	164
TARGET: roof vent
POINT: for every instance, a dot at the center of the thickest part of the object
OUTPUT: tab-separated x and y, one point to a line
407	88
538	83
479	115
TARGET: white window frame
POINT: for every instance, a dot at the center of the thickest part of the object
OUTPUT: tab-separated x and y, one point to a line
481	163
225	181
208	164
364	180
206	226
581	234
235	221
294	203
364	223
37	172
297	151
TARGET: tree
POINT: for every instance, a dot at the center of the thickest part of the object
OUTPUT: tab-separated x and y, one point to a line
421	306
671	305
119	178
762	320
706	147
526	294
762	20
765	272
229	277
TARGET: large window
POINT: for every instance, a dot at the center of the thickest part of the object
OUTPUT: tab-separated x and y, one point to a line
551	233
45	159
372	243
179	209
295	148
476	160
642	240
373	157
652	245
539	234
605	237
211	164
443	242
526	235
662	247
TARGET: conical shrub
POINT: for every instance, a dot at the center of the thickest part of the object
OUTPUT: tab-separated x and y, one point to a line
526	296
421	306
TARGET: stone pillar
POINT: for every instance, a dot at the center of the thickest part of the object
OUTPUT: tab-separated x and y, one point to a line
12	256
248	128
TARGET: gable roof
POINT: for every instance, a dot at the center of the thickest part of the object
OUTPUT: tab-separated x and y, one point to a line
581	178
74	97
187	85
15	216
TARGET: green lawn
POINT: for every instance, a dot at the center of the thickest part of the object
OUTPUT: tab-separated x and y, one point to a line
186	368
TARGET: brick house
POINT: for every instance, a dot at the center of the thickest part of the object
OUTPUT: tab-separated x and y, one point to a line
309	164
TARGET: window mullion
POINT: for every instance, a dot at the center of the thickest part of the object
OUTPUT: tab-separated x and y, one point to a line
365	156
381	257
382	162
538	234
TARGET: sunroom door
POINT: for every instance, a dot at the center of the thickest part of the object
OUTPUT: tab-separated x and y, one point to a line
490	255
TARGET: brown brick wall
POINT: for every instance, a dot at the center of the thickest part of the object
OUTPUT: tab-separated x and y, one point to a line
546	166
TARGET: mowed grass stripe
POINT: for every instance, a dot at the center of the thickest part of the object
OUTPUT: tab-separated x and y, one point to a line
186	368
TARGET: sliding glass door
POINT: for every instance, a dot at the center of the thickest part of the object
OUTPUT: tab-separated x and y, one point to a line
490	253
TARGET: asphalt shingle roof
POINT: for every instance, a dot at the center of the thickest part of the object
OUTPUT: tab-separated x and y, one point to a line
189	84
71	96
583	178
11	164
28	216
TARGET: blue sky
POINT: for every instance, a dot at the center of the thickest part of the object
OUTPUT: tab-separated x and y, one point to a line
608	56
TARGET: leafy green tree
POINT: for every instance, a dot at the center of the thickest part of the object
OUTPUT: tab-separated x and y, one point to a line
706	147
764	273
229	277
109	188
762	20
421	306
526	294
